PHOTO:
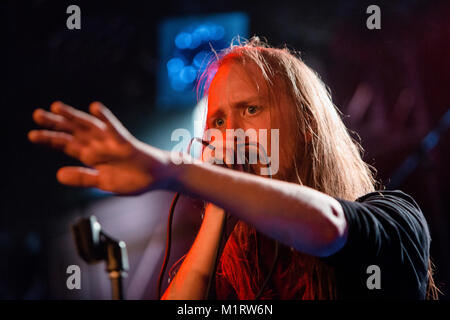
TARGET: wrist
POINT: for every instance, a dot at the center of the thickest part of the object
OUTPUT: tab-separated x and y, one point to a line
176	167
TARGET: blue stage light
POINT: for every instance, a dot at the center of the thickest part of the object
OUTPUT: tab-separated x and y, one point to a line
174	66
186	46
196	41
203	32
183	40
217	32
201	59
188	74
177	83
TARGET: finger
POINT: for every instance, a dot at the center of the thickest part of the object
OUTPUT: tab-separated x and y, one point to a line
105	115
80	118
51	121
57	140
53	139
78	176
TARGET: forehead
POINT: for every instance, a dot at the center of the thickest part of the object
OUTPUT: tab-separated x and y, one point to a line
234	83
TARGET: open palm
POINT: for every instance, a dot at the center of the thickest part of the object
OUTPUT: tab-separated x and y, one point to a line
115	160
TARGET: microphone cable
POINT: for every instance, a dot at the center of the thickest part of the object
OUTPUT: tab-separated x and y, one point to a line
168	243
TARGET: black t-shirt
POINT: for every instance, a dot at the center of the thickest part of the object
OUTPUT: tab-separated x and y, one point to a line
387	246
386	229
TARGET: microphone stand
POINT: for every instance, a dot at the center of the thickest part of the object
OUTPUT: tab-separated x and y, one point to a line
116	266
93	245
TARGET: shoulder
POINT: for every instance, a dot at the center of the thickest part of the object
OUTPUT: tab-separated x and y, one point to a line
394	197
387	220
398	207
387	229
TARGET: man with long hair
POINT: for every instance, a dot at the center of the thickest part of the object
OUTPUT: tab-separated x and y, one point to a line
320	214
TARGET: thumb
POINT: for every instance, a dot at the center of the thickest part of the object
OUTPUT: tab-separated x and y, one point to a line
78	176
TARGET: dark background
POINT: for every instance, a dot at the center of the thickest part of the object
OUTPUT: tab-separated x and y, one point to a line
391	84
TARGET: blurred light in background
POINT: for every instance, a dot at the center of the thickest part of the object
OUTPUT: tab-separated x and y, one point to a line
185	47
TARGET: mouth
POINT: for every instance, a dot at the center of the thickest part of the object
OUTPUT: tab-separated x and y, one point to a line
245	156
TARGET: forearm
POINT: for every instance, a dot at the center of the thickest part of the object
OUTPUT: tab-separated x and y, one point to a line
298	216
191	281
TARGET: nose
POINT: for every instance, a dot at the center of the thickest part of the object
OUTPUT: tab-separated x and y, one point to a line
234	122
231	122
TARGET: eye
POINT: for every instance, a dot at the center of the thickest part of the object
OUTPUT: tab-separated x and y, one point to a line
219	122
252	109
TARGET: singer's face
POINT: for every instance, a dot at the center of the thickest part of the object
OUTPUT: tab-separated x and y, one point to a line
239	98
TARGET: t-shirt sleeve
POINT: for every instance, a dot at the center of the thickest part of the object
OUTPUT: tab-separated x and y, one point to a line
386	229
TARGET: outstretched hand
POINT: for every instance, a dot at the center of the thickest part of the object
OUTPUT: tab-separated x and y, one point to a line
115	160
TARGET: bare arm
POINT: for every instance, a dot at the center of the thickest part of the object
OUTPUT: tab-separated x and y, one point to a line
308	220
303	218
191	281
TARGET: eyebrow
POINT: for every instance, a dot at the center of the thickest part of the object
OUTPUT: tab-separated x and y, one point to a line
219	112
